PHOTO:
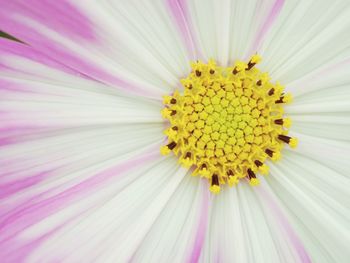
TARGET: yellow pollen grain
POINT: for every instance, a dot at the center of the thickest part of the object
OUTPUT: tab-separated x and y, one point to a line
227	122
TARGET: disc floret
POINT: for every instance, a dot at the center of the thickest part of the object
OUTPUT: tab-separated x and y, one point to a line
227	122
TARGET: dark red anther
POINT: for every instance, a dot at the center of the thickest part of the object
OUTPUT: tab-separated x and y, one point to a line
215	179
212	71
284	138
172	145
258	163
259	82
173	112
229	173
271	92
173	101
280	100
234	71
198	73
269	152
251	174
279	121
250	65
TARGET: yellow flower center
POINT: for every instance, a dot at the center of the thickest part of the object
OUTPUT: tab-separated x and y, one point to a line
227	122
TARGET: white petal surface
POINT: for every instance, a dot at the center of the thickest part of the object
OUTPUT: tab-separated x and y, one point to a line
179	232
317	199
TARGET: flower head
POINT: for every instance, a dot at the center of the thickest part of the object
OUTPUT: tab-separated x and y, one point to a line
83	94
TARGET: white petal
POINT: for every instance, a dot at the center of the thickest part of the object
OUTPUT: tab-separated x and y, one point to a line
317	199
306	36
227	31
178	233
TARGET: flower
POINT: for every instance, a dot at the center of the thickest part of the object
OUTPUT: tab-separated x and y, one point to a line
81	174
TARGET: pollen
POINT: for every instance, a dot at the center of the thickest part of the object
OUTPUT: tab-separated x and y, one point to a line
227	122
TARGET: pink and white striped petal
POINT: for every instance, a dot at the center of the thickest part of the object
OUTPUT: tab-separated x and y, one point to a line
123	46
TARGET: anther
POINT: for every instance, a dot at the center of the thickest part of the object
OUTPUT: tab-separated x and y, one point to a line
293	142
212	71
258	163
284	138
271	92
235	71
215	186
173	112
264	169
253	181
285	122
269	152
215	180
198	73
250	65
229	173
251	174
172	145
173	101
280	100
259	82
279	121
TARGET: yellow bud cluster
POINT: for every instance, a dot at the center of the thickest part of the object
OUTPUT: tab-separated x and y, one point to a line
227	122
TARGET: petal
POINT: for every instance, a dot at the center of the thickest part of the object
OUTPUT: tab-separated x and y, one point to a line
226	30
123	46
306	36
316	198
101	203
41	95
178	233
243	229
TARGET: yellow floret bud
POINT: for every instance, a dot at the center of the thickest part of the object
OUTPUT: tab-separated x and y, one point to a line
164	150
276	156
264	169
293	142
215	189
287	122
254	182
256	59
232	180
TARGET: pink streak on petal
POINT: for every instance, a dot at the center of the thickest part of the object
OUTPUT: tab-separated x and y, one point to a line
267	24
58	15
202	225
35	210
16	186
60	22
9	47
278	214
179	11
15	251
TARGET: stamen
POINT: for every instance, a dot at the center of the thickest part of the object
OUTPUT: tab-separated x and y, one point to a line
215	186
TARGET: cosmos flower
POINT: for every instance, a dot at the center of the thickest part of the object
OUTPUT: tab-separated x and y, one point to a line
163	131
